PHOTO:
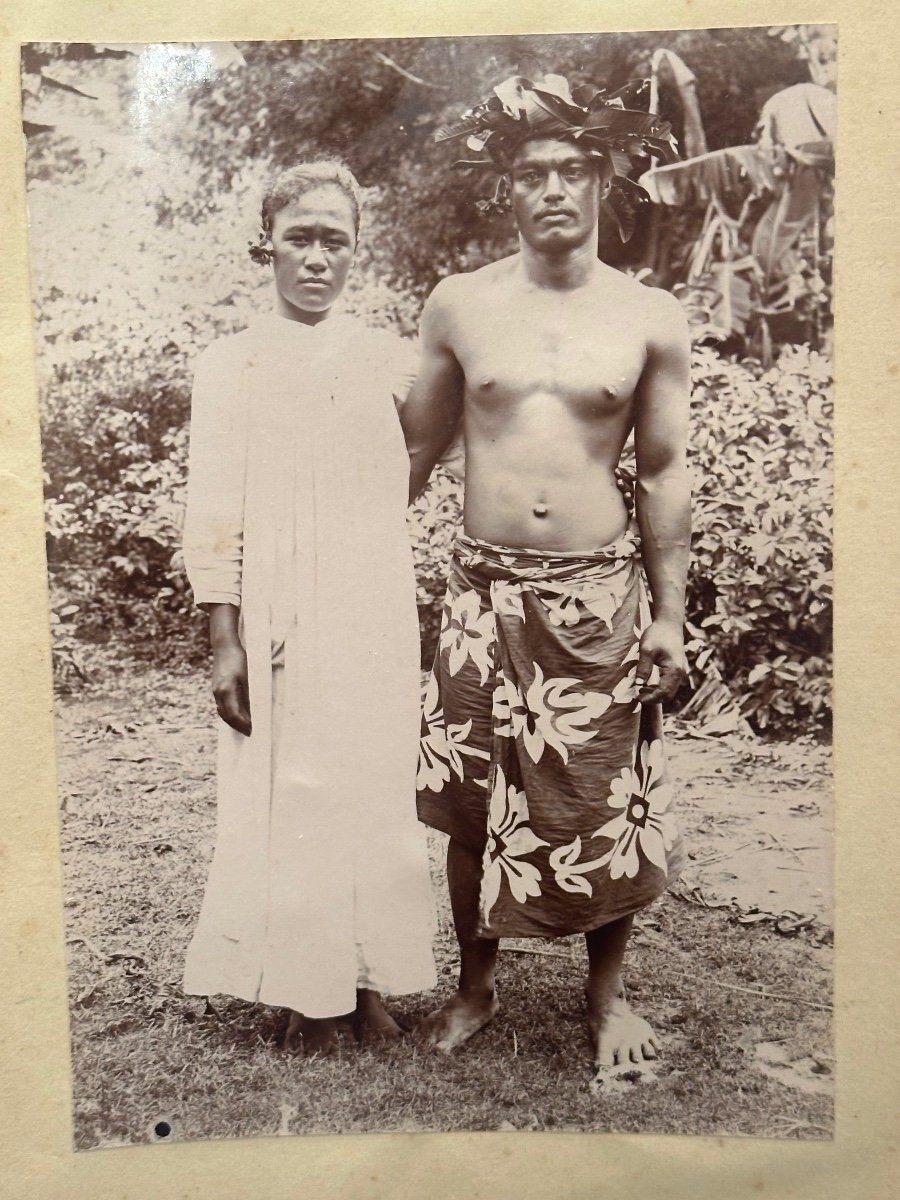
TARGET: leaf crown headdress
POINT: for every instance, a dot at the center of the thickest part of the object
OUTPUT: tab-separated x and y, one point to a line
600	122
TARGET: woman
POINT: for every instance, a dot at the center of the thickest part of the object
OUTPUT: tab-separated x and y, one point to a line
318	897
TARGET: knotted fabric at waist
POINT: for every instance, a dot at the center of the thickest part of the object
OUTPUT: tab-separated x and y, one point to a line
561	567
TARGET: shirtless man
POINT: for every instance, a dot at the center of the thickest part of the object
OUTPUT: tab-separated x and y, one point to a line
551	359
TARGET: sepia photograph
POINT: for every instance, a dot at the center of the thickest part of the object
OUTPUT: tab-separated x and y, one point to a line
437	449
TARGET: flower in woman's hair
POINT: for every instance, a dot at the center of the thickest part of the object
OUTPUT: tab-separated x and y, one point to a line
261	250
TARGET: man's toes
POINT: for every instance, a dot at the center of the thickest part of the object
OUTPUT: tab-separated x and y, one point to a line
605	1057
648	1050
437	1037
438	1040
429	1031
292	1033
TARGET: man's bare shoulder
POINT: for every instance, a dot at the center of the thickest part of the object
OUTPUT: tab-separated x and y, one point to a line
656	310
460	292
668	323
661	305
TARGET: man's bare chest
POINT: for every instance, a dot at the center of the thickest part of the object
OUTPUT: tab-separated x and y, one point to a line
583	359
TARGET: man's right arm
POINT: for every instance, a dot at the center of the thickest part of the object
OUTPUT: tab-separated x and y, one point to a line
430	417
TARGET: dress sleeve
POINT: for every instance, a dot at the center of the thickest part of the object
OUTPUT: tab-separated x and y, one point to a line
214	519
404	363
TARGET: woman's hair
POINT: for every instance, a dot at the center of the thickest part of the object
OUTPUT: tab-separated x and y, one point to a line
290	185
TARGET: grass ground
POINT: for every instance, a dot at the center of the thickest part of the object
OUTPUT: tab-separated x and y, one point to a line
744	1010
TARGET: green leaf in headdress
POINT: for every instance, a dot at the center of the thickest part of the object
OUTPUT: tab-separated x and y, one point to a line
623	202
633	91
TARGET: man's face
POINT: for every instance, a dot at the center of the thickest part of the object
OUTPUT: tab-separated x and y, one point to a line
556	193
314	240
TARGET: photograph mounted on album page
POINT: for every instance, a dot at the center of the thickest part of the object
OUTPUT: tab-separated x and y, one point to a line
437	450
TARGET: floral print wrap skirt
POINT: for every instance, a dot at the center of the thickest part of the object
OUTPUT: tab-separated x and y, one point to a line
535	752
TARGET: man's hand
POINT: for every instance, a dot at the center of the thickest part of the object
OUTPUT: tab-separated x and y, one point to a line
230	687
662	647
625	484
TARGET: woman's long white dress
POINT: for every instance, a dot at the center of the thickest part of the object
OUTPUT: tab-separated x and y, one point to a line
297	513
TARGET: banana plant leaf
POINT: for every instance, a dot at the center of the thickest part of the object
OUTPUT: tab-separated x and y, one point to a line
734	170
733	305
667	64
720	302
784	221
797	116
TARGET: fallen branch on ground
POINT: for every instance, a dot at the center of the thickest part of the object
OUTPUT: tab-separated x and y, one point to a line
535	950
734	987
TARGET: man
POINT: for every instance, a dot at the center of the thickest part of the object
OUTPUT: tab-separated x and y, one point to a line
542	753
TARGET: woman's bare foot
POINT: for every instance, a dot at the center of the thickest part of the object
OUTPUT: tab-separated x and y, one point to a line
458	1020
372	1018
311	1035
619	1037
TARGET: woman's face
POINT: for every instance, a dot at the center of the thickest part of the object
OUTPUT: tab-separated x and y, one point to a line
313	243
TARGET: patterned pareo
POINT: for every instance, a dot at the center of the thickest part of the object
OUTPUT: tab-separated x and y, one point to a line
535	751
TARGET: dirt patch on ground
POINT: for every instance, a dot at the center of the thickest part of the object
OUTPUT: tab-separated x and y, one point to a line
758	820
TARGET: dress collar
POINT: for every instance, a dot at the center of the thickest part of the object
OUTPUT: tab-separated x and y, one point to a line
275	324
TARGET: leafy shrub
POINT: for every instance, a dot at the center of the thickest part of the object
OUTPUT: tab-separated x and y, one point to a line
434	520
759	597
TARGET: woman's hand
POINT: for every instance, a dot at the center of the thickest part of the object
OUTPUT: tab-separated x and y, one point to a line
229	682
230	688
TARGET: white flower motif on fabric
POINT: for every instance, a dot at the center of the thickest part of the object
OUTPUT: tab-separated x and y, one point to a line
506	598
569	873
551	712
469	633
645	823
501	714
634	650
567	603
604	601
510	840
626	690
561	605
441	748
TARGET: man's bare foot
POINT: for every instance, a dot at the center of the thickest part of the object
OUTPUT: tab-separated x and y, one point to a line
372	1018
311	1036
620	1038
458	1020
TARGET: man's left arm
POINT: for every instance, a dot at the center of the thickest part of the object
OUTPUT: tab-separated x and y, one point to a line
663	496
